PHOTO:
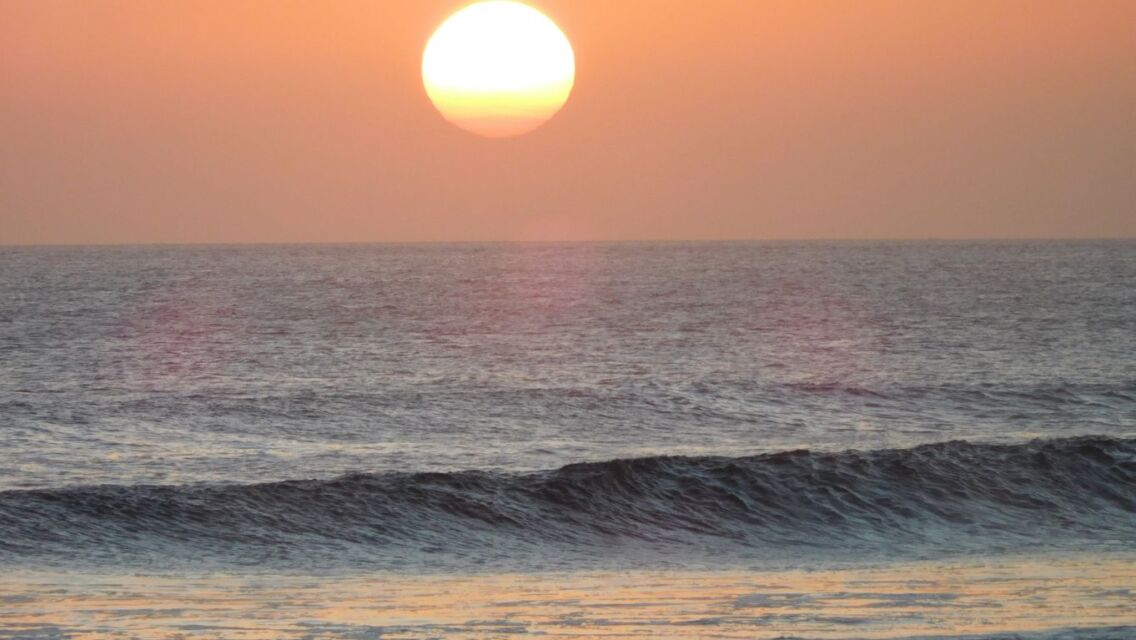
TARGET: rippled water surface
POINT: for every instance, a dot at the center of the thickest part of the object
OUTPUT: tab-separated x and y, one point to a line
868	440
256	364
1072	598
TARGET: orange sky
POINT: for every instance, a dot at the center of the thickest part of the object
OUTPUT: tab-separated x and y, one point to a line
283	121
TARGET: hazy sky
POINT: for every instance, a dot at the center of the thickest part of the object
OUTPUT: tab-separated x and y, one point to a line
276	121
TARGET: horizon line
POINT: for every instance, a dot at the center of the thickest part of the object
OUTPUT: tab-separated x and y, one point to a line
285	243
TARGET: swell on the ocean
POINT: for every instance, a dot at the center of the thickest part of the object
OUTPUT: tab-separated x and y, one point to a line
936	498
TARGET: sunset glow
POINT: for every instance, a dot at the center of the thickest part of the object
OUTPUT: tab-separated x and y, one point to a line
365	318
498	68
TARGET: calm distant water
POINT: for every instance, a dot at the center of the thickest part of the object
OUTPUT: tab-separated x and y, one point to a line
217	373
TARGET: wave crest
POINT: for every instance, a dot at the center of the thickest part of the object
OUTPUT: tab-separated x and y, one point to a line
953	496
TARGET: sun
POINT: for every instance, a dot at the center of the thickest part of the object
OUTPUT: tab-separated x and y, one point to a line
498	68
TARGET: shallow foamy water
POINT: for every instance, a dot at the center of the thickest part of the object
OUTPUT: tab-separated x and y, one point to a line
1078	596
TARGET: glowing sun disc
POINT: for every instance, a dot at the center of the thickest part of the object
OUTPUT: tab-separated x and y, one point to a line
498	68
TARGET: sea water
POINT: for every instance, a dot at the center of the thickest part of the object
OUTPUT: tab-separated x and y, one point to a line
434	409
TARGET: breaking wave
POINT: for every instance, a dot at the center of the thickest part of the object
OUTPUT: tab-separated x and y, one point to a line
937	498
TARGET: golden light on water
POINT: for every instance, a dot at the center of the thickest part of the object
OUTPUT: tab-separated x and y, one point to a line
498	68
963	598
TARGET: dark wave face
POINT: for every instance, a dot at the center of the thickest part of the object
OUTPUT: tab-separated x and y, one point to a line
953	497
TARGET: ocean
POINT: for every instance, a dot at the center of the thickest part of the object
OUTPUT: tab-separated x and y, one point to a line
464	411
